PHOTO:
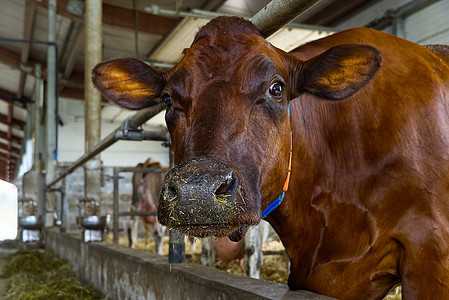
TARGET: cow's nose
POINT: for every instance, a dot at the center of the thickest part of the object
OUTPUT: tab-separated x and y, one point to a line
202	187
200	191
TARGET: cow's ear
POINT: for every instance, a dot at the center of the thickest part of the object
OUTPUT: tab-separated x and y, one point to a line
339	72
128	82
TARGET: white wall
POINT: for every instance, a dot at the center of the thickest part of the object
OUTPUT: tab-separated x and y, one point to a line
122	153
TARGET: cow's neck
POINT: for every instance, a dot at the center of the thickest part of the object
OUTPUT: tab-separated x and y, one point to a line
317	178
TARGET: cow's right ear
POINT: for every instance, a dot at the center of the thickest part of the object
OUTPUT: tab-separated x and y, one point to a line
129	82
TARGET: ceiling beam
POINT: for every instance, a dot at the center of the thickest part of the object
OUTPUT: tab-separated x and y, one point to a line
5	120
331	12
74	53
13	137
10	124
9	58
4	147
122	17
30	16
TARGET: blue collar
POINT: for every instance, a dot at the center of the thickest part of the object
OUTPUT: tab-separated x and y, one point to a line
279	199
273	205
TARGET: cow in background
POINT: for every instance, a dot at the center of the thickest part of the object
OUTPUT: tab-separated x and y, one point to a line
145	197
248	250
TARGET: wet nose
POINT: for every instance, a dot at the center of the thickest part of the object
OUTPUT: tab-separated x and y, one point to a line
201	187
201	191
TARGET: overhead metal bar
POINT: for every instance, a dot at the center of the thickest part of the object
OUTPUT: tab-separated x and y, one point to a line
135	121
279	13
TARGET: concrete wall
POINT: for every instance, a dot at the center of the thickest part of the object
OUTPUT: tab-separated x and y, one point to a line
122	273
71	143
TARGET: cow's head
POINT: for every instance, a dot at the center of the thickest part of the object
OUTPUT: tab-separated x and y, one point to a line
227	113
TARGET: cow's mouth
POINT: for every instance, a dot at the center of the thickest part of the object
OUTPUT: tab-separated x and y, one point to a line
235	233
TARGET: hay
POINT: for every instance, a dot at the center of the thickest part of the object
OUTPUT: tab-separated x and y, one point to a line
36	275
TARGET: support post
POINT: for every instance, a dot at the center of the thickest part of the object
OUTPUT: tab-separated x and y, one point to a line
93	55
176	243
50	154
115	207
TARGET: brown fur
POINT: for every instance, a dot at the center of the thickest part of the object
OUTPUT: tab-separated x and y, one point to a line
367	205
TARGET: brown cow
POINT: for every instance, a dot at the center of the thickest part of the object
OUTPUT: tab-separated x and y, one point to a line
145	198
367	204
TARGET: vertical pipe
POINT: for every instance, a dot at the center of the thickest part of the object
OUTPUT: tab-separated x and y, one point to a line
93	55
51	93
115	212
33	178
36	169
398	26
177	247
50	122
37	119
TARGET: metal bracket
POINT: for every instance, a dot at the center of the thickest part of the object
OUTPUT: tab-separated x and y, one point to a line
127	132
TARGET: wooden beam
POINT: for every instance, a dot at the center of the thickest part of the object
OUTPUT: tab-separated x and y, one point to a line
73	93
13	59
30	14
150	23
13	137
333	11
9	58
122	17
4	147
5	120
74	53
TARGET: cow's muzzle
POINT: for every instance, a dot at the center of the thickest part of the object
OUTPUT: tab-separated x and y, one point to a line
202	197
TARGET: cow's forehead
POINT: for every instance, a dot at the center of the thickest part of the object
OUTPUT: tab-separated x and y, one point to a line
225	59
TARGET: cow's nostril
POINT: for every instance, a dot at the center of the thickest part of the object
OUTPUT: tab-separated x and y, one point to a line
172	193
228	185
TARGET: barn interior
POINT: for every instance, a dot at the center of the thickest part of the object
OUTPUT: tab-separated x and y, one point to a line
67	156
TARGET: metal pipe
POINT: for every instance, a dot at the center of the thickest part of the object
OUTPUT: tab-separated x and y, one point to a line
145	135
278	13
137	213
141	170
115	207
37	121
137	120
12	98
195	13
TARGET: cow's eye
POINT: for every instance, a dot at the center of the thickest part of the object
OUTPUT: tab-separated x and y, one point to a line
276	90
167	99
